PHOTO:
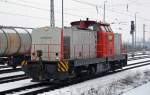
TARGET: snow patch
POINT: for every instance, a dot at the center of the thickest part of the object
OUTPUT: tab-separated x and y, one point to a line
109	85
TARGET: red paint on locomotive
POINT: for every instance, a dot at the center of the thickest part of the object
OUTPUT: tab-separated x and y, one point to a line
105	44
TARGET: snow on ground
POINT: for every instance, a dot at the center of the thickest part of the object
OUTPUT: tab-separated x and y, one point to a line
11	74
139	53
99	86
28	90
16	84
140	60
108	85
138	56
142	90
9	68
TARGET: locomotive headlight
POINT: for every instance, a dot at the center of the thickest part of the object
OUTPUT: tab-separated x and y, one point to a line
39	53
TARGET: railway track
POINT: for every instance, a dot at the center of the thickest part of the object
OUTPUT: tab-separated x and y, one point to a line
3	66
18	77
8	70
138	63
12	78
137	53
42	87
138	57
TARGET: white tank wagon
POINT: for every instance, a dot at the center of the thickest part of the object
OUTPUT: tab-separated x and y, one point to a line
15	42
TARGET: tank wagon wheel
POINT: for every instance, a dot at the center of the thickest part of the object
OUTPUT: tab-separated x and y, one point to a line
14	66
11	65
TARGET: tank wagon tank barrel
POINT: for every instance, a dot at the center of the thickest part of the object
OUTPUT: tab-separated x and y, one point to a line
14	43
14	40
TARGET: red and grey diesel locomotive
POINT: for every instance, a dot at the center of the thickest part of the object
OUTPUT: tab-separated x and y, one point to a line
87	47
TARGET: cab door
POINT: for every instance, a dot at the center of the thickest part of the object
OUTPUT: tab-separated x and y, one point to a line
67	47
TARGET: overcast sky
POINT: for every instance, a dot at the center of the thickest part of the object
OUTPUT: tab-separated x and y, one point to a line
35	13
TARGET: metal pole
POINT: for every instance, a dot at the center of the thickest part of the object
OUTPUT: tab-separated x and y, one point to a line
132	33
50	13
52	16
104	12
135	30
143	38
133	44
62	43
62	14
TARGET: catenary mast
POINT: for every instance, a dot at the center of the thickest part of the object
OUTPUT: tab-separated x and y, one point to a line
52	15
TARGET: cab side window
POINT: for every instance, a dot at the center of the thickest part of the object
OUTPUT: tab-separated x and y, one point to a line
103	29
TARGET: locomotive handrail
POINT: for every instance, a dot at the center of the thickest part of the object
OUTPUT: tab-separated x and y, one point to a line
48	51
74	47
1	26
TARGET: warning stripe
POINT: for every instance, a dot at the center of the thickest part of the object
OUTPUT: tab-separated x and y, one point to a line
65	63
24	62
63	66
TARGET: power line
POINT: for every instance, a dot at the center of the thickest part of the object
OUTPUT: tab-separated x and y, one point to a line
16	14
133	1
98	6
124	4
28	16
24	5
94	5
38	8
82	2
73	9
28	2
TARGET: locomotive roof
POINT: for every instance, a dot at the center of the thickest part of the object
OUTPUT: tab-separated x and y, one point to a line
87	22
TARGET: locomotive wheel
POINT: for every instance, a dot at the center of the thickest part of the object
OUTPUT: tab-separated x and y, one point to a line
78	72
91	70
121	65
